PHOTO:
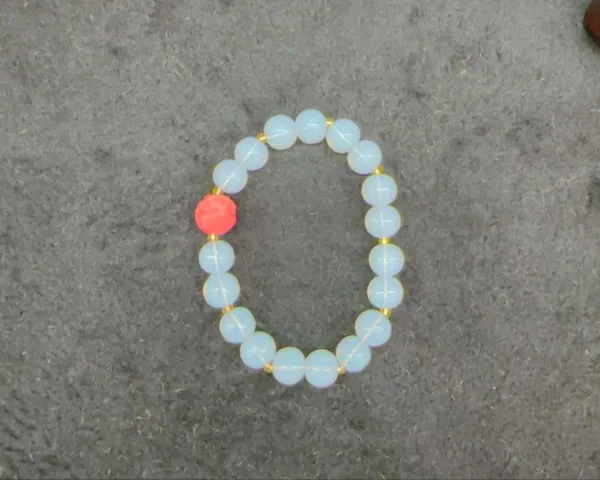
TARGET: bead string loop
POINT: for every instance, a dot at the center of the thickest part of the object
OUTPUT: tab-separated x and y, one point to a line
216	214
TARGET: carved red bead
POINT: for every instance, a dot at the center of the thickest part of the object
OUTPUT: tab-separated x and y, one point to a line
591	21
215	214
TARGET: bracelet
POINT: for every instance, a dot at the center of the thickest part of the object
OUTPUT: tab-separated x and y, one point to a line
215	215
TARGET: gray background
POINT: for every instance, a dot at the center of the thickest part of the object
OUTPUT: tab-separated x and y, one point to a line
113	115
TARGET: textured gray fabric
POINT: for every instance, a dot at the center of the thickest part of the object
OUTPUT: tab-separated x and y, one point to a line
113	114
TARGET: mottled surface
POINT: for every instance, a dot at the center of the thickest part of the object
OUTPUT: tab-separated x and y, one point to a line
112	116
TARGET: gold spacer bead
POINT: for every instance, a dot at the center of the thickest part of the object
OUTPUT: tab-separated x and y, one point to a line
341	370
378	170
268	368
216	191
384	240
262	137
212	237
228	308
386	311
329	121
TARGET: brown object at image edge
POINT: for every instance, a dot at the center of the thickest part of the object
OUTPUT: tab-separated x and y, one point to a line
591	21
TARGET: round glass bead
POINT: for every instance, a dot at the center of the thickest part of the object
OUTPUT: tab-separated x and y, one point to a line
364	157
281	132
230	176
237	324
251	153
221	290
386	259
289	366
343	135
373	328
385	292
216	257
215	214
321	368
383	221
379	190
311	126
257	350
353	354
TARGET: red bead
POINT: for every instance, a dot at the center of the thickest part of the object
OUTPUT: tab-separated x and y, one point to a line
591	20
215	214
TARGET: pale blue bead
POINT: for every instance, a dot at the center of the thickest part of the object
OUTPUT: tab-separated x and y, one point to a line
236	325
289	366
251	153
281	132
221	290
364	157
379	190
373	327
342	135
258	350
386	260
385	292
321	368
230	176
353	354
383	221
311	126
216	257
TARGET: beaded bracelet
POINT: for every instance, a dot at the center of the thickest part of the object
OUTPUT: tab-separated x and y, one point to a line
215	215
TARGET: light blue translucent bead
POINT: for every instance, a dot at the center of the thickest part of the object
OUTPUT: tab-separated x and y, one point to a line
216	257
386	260
281	132
342	135
321	368
379	190
385	292
383	221
353	354
258	350
236	325
230	176
364	157
221	290
289	366
311	126
251	153
373	327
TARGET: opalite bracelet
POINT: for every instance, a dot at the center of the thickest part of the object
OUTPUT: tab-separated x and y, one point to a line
215	215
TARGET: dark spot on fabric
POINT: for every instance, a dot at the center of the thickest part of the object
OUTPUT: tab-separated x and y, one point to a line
594	365
457	144
101	155
162	18
411	281
481	129
248	107
411	60
91	220
419	93
214	74
415	15
593	194
117	51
